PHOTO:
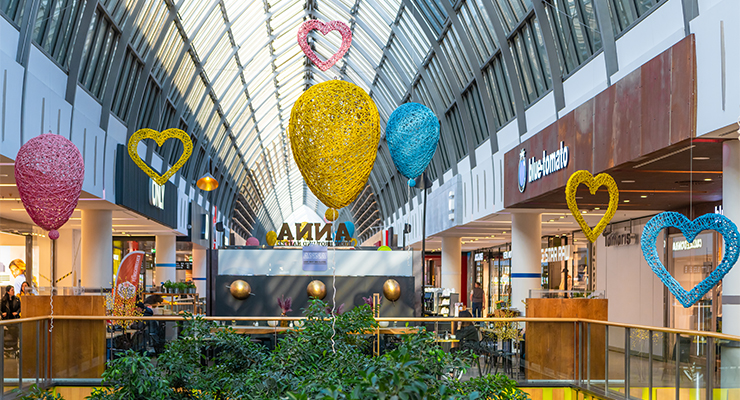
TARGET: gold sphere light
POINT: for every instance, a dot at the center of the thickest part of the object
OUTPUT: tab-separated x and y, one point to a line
316	289
391	290
240	289
331	214
207	182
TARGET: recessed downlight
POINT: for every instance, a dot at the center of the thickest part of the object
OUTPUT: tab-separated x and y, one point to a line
628	181
643	197
707	179
701	158
626	201
597	208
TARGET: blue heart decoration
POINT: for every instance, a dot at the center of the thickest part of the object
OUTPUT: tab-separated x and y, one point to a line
690	229
412	133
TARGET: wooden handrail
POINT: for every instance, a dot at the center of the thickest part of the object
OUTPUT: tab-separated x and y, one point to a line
393	319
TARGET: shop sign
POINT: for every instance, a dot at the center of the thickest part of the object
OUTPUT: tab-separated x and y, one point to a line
719	210
621	239
478	257
698	269
313	234
685	245
156	194
548	164
550	254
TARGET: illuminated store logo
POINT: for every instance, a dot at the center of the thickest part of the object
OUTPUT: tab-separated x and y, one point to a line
684	245
304	235
548	164
550	254
522	171
156	194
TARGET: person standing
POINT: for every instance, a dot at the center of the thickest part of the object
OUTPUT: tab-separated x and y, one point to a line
476	300
18	268
10	306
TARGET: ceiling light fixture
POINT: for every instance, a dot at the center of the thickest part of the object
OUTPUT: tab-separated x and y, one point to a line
662	157
643	197
628	181
597	208
701	158
207	182
626	201
707	179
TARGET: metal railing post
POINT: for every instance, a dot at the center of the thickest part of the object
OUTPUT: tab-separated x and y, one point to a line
580	353
677	356
2	364
650	365
588	355
627	362
710	367
38	349
20	356
606	361
575	352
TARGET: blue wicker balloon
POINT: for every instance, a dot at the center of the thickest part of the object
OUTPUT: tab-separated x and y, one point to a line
690	229
412	134
350	228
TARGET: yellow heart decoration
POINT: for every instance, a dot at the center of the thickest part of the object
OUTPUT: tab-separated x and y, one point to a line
160	138
593	184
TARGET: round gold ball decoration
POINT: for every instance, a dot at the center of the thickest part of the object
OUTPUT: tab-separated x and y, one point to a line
240	289
331	214
316	289
391	290
334	134
271	238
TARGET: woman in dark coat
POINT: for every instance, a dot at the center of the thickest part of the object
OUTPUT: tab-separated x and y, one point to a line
10	306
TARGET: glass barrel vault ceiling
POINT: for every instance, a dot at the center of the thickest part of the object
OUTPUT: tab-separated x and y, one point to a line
257	71
446	54
229	71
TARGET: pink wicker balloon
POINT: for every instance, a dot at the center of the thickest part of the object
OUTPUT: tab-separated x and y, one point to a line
253	241
49	172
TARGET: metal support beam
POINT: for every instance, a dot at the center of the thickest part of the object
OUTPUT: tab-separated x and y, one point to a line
556	69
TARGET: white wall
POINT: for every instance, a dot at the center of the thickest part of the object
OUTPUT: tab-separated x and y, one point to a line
635	293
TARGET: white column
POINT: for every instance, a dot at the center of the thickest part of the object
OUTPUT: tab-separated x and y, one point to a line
97	248
451	254
199	270
731	282
165	259
526	266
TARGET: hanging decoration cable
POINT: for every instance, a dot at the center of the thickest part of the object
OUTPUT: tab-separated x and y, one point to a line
333	287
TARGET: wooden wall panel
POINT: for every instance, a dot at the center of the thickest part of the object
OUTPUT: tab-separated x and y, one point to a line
627	132
78	347
646	111
656	99
550	345
683	90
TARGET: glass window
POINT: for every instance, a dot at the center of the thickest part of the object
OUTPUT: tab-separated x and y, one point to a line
127	82
625	12
530	61
440	82
151	108
477	25
513	11
497	83
575	29
454	52
471	99
434	13
100	45
456	133
118	9
56	28
13	9
147	26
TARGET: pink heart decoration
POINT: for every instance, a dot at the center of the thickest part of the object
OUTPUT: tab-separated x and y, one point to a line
49	172
312	24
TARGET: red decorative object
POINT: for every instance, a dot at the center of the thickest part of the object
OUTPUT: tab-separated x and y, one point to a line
312	24
253	241
49	172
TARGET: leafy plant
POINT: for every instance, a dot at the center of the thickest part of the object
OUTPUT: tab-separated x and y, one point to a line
37	393
132	377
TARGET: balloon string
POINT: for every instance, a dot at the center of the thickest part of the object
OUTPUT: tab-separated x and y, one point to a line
334	286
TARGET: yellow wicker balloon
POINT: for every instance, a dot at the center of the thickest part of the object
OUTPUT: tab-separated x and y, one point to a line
593	184
271	238
334	133
331	214
160	138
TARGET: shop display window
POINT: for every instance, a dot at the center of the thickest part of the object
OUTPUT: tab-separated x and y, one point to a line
690	263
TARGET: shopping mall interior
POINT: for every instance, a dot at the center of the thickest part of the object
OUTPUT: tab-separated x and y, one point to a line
369	199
